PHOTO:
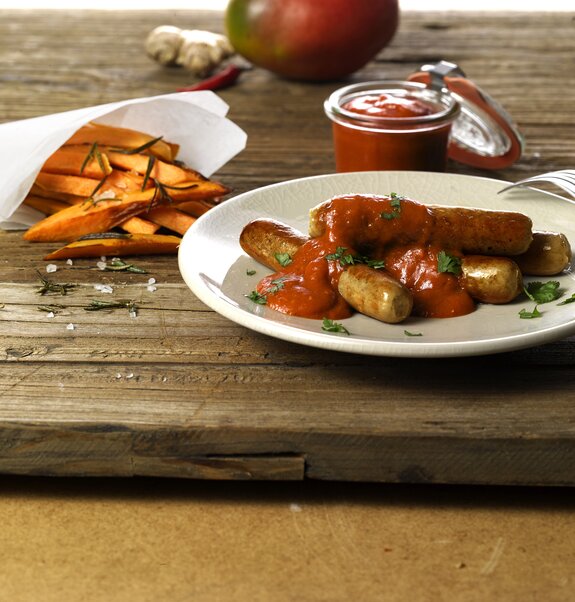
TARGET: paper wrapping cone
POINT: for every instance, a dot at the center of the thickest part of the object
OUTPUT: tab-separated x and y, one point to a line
195	120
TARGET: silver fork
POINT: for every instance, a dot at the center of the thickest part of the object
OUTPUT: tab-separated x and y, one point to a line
564	179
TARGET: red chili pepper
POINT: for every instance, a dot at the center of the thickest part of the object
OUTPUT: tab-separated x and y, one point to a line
224	78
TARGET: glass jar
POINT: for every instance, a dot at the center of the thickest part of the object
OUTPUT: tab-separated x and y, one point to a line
391	125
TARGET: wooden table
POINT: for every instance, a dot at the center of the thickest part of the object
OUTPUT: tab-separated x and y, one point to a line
183	392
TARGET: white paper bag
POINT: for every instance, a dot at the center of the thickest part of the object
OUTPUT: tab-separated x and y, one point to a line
194	120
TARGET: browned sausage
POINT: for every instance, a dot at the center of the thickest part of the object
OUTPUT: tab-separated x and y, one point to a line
548	254
478	231
375	293
265	239
491	279
472	231
487	279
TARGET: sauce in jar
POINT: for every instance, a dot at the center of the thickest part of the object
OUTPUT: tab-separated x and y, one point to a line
385	105
391	125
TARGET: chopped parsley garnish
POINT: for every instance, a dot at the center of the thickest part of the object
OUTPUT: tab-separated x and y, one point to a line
250	272
528	315
262	299
407	333
543	292
570	299
331	326
346	259
341	256
447	263
277	285
395	207
257	298
376	264
284	259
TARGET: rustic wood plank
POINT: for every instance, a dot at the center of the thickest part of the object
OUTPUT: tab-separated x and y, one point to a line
181	391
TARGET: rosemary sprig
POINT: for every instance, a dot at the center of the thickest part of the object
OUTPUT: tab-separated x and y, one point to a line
137	150
149	167
162	195
94	153
55	308
118	265
96	305
49	287
97	188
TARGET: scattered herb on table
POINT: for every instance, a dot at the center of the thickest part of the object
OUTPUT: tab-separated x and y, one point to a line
408	333
96	305
118	265
54	308
48	287
250	272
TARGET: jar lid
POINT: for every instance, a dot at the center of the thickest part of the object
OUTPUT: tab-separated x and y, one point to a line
484	134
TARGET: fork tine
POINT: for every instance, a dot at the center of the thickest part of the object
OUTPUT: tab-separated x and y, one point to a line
564	179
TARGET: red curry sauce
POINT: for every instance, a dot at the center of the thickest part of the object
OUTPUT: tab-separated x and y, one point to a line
387	105
394	230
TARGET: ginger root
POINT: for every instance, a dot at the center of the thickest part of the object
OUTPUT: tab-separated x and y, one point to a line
196	50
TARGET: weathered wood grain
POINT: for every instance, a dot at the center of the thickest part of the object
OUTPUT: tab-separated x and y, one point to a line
179	390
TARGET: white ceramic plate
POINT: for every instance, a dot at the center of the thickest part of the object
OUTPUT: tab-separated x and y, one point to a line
216	269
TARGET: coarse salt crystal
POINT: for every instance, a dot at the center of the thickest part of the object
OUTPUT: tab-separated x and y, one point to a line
51	267
101	265
104	288
70	327
69	262
50	314
152	288
133	314
151	281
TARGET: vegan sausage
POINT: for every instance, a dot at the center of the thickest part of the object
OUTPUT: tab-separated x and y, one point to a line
549	254
375	294
491	279
265	239
472	231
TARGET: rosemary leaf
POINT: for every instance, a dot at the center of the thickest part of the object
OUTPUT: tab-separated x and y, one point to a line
117	265
96	305
139	149
48	287
55	308
149	168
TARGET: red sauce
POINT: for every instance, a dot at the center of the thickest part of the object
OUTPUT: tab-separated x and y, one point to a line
385	105
396	230
393	134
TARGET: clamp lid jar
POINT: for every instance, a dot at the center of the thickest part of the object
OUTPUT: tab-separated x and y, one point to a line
394	125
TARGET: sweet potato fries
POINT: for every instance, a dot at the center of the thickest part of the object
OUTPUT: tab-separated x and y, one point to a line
110	179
